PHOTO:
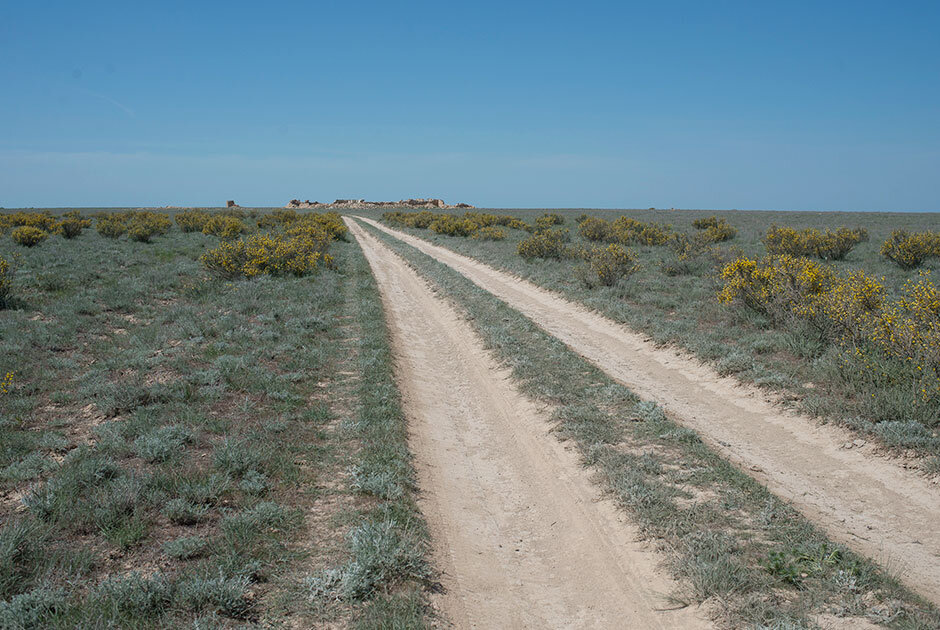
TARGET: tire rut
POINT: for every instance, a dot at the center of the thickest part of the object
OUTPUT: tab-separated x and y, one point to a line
524	539
867	502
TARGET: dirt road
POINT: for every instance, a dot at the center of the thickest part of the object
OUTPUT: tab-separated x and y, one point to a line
867	502
523	537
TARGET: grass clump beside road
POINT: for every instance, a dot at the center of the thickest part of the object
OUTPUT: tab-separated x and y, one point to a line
673	297
754	560
176	449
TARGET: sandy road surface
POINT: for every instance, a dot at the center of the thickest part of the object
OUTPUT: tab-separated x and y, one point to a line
522	535
867	502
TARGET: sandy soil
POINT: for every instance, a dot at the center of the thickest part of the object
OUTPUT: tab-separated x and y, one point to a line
522	536
867	502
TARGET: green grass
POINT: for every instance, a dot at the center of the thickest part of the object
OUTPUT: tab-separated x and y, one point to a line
676	304
730	542
177	449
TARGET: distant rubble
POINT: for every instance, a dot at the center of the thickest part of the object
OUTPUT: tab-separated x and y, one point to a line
362	204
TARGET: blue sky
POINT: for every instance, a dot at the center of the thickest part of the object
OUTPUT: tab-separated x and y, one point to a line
795	105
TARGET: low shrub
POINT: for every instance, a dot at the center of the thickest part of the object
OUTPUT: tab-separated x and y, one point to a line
192	220
329	222
892	345
277	218
139	226
707	222
453	226
41	220
714	230
70	228
7	273
224	227
489	233
608	265
144	226
28	236
909	250
828	245
632	232
111	226
548	221
595	229
545	244
276	255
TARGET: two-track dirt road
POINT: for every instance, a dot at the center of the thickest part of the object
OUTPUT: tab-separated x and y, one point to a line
523	537
869	503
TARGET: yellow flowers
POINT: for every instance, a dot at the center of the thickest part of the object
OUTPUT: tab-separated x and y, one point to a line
610	264
714	230
851	310
192	220
632	232
138	225
28	236
595	229
7	269
827	245
544	244
911	250
41	220
329	222
223	226
6	384
452	224
276	255
489	233
624	230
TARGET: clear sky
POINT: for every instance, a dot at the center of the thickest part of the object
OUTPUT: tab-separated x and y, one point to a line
778	105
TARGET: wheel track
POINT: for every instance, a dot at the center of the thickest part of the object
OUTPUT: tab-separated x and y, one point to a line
524	539
866	502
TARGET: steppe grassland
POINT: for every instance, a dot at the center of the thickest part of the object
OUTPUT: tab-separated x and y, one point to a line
672	294
199	428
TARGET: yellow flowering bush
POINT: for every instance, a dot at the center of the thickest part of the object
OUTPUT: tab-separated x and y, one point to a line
192	220
41	220
273	254
7	271
224	227
28	236
777	286
70	228
143	226
911	250
489	233
714	230
139	225
71	224
632	232
453	225
828	245
611	264
422	220
545	244
884	341
595	229
548	220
